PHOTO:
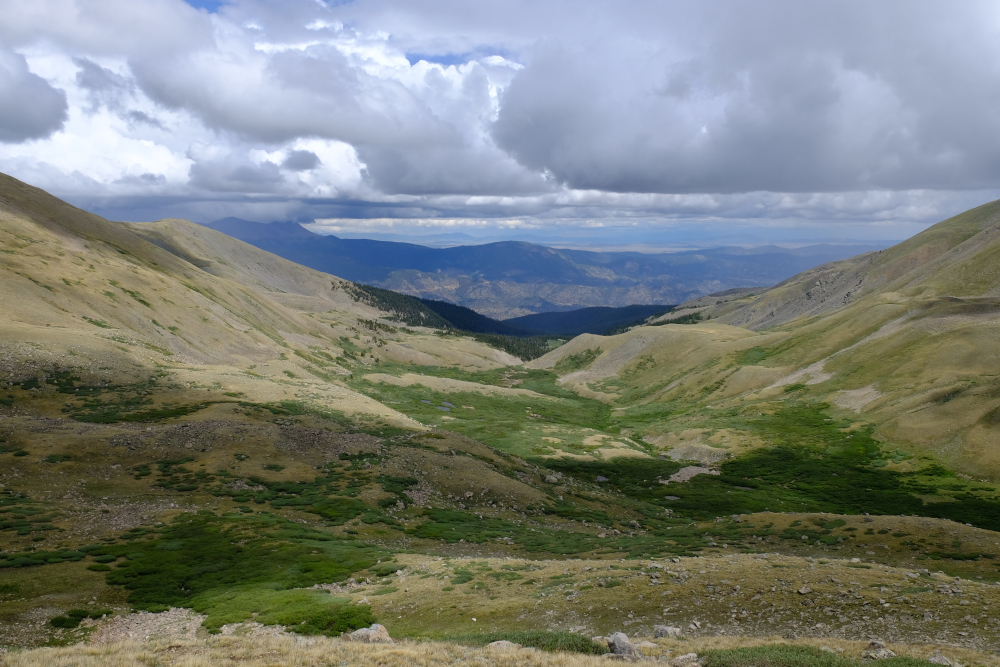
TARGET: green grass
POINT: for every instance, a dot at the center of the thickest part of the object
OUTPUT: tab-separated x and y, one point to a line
98	323
236	567
453	526
307	612
783	655
540	639
813	465
577	361
510	423
24	516
73	617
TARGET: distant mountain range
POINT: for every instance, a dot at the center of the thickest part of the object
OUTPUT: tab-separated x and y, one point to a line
416	311
512	278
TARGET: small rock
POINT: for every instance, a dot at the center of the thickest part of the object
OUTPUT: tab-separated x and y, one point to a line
620	645
376	634
364	601
827	649
642	645
503	645
684	660
939	659
660	631
805	590
877	651
855	560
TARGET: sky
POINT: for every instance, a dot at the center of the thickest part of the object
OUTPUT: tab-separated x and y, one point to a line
707	121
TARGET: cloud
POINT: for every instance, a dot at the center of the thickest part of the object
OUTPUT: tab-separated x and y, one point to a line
30	108
771	96
217	171
645	113
301	161
104	88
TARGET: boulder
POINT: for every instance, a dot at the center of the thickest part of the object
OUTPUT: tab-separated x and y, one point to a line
503	645
660	631
619	644
877	651
376	634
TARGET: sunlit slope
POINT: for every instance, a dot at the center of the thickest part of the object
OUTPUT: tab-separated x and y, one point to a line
650	360
116	302
66	268
956	257
913	349
222	256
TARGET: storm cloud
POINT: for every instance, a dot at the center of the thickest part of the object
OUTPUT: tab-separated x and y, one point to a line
556	113
30	108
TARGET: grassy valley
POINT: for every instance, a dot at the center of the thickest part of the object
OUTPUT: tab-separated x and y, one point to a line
211	451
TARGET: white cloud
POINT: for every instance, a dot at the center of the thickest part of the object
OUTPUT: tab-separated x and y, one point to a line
510	115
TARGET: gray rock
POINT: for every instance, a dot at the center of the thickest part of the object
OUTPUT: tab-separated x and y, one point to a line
376	634
877	651
503	645
619	644
660	631
939	659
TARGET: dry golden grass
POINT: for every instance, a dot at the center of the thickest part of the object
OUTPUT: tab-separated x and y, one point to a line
299	652
272	651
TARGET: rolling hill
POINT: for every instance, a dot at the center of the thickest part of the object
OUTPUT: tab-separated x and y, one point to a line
510	279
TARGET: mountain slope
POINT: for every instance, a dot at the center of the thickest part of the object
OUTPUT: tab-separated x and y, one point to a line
904	337
178	294
954	257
